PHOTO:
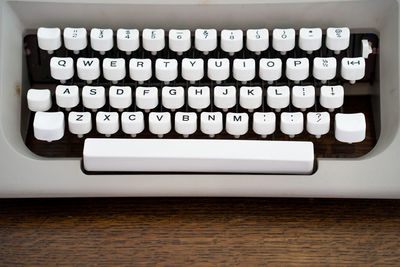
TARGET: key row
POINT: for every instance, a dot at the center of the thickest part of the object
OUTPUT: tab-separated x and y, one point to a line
349	128
198	97
218	69
205	40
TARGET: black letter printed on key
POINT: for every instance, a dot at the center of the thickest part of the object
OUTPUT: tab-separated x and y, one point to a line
270	64
238	118
220	64
79	117
87	63
62	63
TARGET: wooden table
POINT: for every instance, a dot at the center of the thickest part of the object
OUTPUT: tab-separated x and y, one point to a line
199	232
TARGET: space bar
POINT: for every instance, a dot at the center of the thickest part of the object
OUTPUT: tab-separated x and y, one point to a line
197	155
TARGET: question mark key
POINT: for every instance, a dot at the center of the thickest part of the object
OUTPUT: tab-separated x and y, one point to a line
318	123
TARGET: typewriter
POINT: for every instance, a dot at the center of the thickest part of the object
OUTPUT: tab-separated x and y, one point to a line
191	98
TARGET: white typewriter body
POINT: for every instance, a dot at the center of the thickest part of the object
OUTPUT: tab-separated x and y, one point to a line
24	174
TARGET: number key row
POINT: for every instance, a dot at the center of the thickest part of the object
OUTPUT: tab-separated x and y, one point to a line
205	40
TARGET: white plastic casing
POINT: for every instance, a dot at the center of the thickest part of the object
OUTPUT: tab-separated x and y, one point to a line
375	175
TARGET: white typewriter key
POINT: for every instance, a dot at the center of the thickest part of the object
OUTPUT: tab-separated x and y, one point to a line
366	48
350	128
49	39
237	124
250	97
264	123
79	123
205	40
185	123
166	70
179	41
278	97
62	68
93	97
48	126
192	69
67	96
199	97
88	69
337	39
292	123
146	98
173	97
331	97
211	123
218	69
224	97
283	40
244	70
324	68
297	69
128	40
160	123
270	69
318	123
257	40
195	155
140	69
132	123
39	99
153	40
353	69
107	123
75	39
114	69
120	97
303	97
231	41
101	40
310	39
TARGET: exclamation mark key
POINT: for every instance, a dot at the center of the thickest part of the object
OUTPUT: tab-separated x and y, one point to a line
332	97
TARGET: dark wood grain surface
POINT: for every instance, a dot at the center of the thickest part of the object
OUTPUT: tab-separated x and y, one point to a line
199	232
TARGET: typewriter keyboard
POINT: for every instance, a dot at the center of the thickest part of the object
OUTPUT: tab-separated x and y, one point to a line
205	100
